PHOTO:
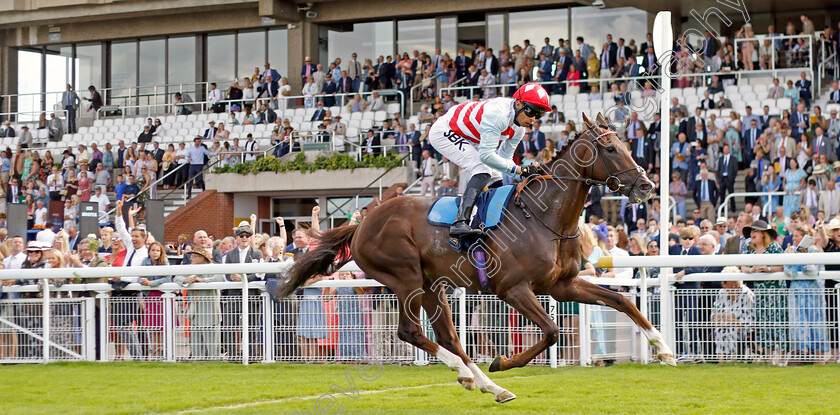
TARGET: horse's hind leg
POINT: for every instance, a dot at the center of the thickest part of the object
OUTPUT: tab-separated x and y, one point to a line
437	308
588	293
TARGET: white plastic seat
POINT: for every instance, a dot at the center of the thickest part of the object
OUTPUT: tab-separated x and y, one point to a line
300	112
392	108
98	123
366	124
379	116
109	122
367	115
297	119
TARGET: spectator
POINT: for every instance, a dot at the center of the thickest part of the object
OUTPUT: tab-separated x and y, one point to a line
733	317
182	104
204	315
706	195
153	303
807	315
195	157
771	303
102	202
794	182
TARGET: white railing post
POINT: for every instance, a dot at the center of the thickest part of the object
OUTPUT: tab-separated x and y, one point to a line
104	305
552	350
666	309
244	342
644	352
585	335
89	324
45	315
462	316
169	318
268	328
421	358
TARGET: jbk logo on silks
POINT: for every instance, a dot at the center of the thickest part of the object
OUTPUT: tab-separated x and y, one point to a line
456	139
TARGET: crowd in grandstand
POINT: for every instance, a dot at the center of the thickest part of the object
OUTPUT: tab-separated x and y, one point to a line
795	152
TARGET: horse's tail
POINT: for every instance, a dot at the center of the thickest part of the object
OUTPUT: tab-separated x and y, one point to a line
332	243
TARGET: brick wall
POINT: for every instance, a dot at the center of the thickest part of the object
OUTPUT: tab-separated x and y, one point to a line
208	210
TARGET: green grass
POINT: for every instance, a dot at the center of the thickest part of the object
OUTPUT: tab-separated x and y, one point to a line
283	388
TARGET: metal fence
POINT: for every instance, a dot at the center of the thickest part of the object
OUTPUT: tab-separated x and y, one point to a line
334	323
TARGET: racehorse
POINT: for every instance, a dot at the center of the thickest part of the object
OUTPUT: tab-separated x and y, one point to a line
535	250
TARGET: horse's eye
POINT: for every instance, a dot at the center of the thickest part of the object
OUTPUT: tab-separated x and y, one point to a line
611	149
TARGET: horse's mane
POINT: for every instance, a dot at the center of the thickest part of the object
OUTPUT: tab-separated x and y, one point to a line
565	147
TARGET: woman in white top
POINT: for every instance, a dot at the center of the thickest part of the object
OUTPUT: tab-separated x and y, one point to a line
249	92
221	133
803	152
285	91
310	89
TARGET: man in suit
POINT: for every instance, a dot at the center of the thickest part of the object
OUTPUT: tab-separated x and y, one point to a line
735	244
709	45
640	147
413	139
592	206
13	191
491	63
698	135
429	172
271	89
561	70
810	195
268	115
346	84
782	163
706	195
243	253
462	63
307	70
623	51
727	173
632	213
54	129
70	101
799	122
834	95
372	144
210	133
696	119
537	136
776	91
829	200
804	86
748	141
384	73
404	82
330	88
649	61
145	136
707	103
677	107
201	240
320	113
821	144
833	124
548	50
612	48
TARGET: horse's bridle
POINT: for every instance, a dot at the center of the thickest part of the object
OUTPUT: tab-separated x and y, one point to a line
612	182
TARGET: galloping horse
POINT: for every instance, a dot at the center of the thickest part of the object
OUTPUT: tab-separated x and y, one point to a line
534	251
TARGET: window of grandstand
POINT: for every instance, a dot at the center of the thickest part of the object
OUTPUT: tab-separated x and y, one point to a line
368	40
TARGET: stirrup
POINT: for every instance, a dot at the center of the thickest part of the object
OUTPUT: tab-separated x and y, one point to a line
457	231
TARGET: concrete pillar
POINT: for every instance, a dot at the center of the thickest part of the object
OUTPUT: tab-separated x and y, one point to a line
303	42
9	73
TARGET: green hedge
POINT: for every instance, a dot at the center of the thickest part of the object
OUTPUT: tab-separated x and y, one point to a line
337	161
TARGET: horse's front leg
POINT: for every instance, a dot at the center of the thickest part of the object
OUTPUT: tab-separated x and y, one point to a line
525	302
588	293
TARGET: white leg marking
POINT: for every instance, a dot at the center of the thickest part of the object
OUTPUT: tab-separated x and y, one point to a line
665	355
454	362
485	384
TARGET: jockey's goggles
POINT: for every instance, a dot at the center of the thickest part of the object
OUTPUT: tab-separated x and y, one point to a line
532	110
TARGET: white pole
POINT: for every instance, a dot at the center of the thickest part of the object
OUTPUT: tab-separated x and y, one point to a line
45	313
663	40
245	339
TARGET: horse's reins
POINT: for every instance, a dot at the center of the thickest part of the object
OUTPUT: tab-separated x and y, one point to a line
612	182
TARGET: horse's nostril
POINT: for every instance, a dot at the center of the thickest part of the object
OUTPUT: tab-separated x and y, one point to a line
646	187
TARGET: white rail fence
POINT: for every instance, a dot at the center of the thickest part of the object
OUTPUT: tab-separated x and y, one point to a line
239	322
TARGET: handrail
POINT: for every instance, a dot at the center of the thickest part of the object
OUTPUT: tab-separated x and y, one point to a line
411	94
824	62
738	74
723	208
773	50
673	204
149	187
359	193
205	106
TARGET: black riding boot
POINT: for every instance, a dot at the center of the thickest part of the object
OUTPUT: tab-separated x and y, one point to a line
461	227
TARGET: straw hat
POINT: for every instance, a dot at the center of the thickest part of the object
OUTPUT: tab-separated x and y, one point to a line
201	252
833	224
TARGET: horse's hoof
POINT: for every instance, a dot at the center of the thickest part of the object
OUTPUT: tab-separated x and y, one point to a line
467	383
496	365
667	359
505	396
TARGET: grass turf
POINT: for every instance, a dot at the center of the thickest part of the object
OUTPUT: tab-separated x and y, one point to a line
285	388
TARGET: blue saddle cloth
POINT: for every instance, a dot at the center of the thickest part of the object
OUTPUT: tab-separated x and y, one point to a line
489	208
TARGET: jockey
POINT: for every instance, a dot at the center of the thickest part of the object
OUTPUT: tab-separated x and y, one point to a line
469	135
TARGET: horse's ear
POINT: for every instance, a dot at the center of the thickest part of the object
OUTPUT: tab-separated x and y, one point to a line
587	121
601	120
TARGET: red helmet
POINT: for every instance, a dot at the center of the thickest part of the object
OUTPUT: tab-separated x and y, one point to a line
534	94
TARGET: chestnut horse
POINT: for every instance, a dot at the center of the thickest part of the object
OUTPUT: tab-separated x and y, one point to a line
535	250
